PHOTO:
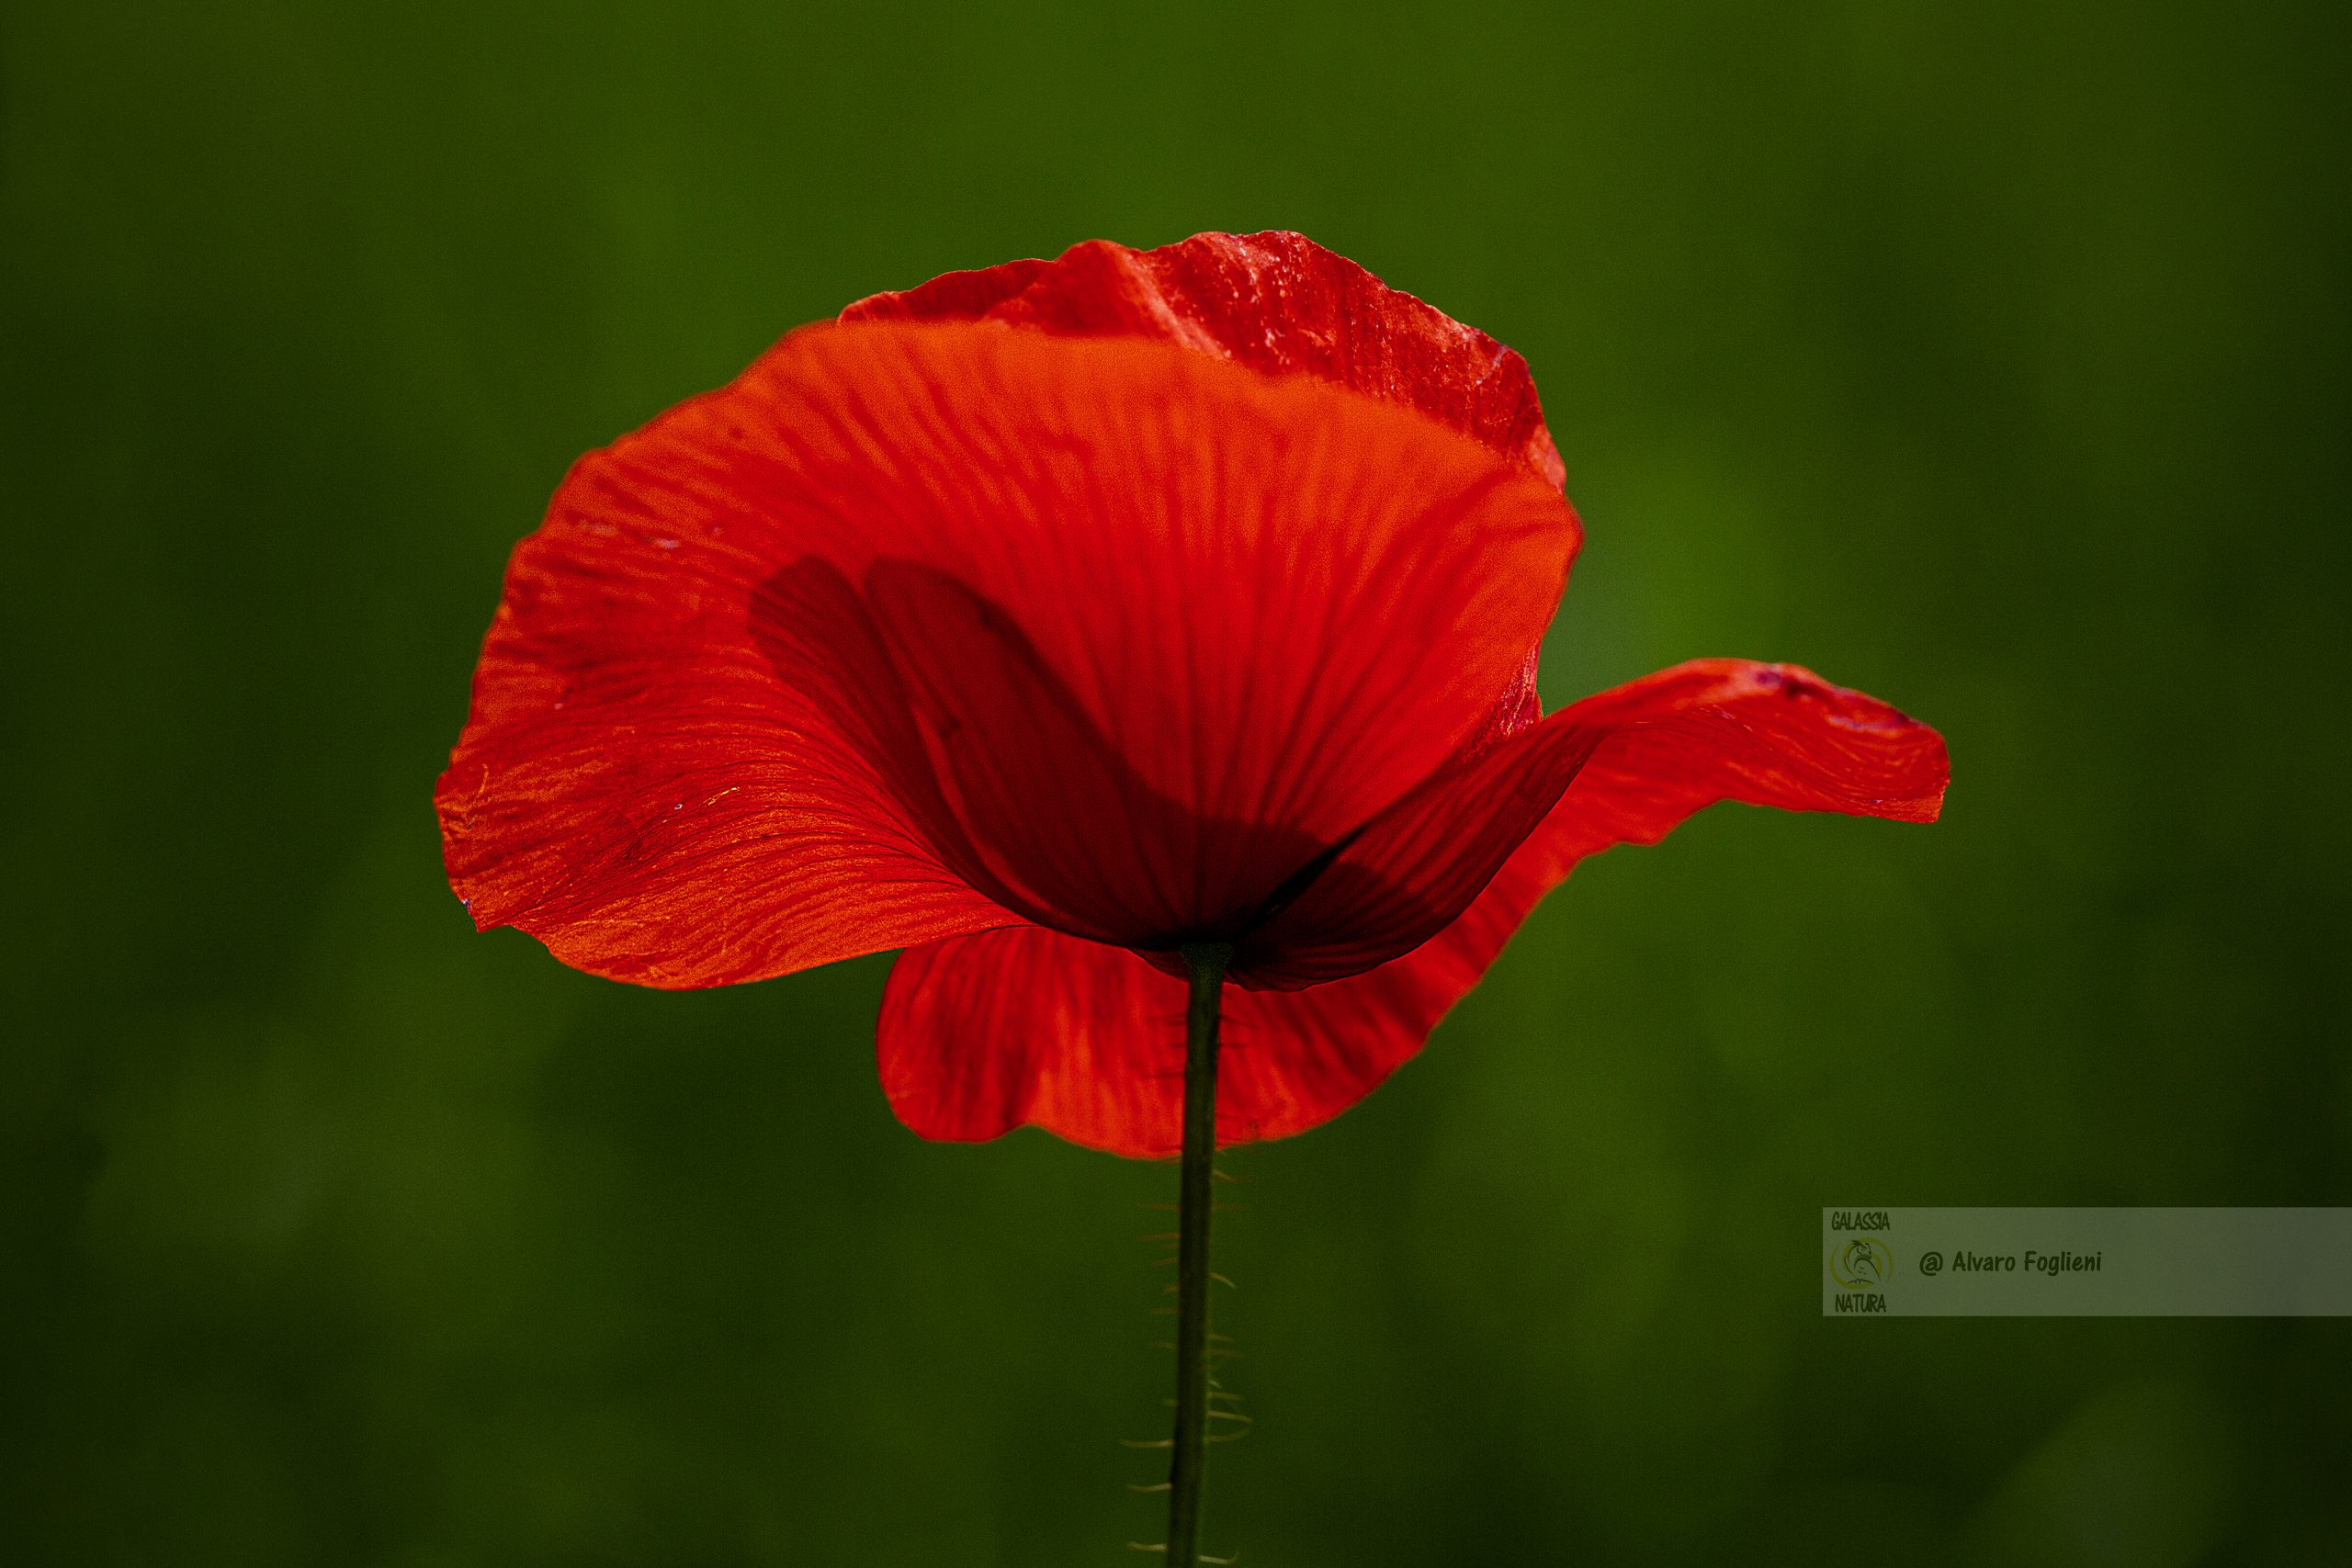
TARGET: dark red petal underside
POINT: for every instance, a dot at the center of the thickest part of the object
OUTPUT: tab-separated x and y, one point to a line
1418	864
915	629
980	1034
1275	301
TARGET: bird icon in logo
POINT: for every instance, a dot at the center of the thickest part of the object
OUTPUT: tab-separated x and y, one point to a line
1862	1264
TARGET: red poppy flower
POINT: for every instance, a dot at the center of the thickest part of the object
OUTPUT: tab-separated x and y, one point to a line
1043	619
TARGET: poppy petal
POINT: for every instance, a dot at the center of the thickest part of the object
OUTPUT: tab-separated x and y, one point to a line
651	803
1027	1027
915	629
1771	735
1734	730
1417	866
1275	301
983	1034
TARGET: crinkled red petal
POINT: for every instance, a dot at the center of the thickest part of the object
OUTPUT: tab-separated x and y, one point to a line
917	628
1275	301
983	1034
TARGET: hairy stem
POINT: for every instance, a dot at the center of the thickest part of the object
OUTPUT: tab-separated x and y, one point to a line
1189	1465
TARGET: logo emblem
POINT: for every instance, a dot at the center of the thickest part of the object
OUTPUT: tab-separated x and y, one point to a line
1862	1264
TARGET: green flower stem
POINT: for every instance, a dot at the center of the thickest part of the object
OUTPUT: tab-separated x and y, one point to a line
1189	1465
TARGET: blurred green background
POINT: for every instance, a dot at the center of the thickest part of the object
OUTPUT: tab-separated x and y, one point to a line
1992	358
